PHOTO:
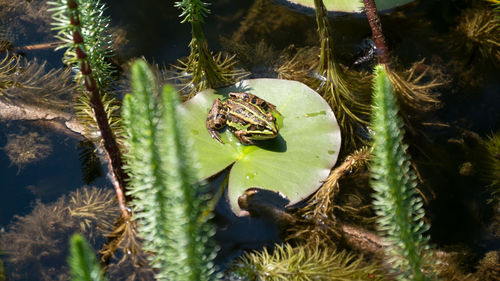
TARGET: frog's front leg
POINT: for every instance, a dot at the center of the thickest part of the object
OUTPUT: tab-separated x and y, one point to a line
216	119
243	136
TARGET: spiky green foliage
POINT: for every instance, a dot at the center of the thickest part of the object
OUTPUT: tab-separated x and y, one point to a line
82	26
490	166
302	263
94	28
193	10
396	202
202	70
93	53
82	261
168	204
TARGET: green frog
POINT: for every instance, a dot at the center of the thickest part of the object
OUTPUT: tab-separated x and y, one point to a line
246	115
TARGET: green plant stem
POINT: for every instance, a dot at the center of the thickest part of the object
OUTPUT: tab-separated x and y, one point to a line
109	141
206	61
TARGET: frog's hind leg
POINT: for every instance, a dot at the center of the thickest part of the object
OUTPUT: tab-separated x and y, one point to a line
216	119
242	136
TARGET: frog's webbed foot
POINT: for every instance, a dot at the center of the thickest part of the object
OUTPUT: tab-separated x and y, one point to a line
242	136
215	135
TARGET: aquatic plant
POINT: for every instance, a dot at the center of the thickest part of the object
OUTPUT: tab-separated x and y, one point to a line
396	202
202	70
301	263
350	107
490	164
20	18
89	161
82	261
83	28
28	82
496	6
36	245
412	90
478	36
320	209
26	148
489	266
168	204
2	272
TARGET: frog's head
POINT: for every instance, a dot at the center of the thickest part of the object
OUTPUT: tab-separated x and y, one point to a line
264	129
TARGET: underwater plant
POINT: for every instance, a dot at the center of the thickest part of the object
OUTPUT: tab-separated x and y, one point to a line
202	70
27	82
396	202
36	245
320	211
347	101
410	87
89	161
2	272
82	261
83	28
490	163
301	263
168	204
24	149
479	33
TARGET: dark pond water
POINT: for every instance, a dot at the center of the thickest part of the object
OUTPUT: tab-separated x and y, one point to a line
459	211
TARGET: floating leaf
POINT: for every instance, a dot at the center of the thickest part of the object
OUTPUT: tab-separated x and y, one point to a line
293	163
350	6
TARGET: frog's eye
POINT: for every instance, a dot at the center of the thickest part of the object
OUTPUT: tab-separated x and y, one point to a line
218	126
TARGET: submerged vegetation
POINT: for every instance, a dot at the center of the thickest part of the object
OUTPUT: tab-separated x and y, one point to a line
297	263
26	148
166	230
36	245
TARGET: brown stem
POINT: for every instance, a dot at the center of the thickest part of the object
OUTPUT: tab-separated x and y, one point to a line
40	46
113	152
378	36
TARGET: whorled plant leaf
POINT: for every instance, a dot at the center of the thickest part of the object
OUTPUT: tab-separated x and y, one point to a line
350	6
294	163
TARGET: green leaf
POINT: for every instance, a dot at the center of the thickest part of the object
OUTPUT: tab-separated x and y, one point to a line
352	6
293	163
82	261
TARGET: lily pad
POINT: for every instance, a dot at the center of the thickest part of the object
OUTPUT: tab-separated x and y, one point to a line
349	6
294	163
